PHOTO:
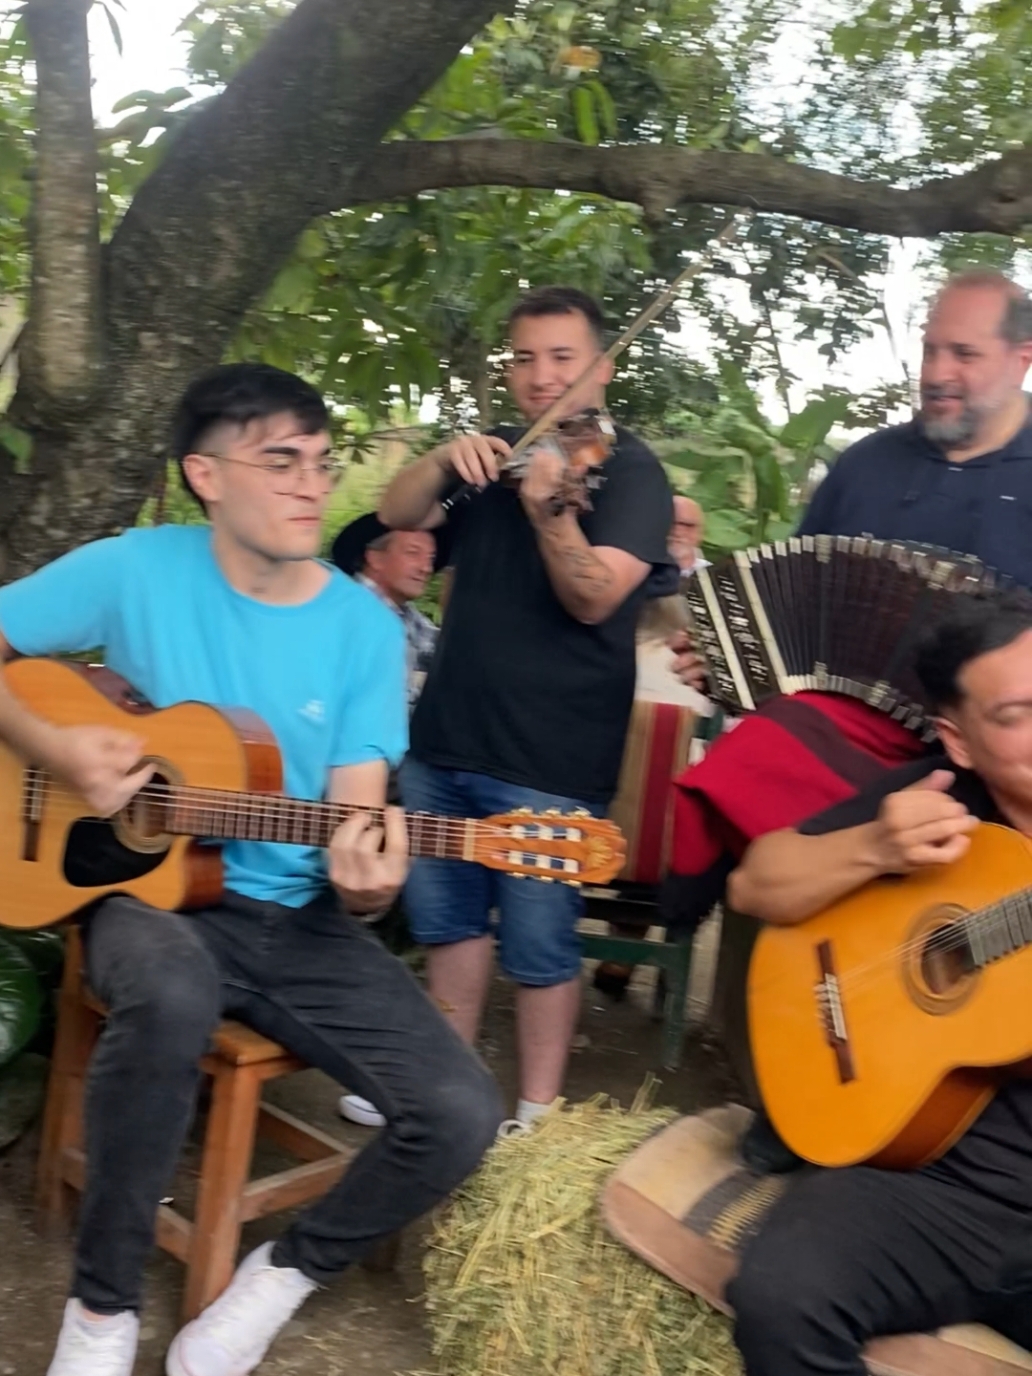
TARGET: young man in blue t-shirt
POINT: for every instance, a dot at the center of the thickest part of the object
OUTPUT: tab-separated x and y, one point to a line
242	613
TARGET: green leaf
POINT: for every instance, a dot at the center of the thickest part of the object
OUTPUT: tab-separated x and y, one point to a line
727	529
116	32
584	115
812	424
43	949
19	442
606	108
21	1000
292	289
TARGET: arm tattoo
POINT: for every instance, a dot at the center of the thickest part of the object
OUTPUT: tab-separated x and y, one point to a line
585	567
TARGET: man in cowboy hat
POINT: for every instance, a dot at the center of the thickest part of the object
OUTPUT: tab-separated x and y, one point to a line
396	565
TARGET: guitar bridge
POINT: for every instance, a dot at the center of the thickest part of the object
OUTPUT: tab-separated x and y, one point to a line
832	1013
34	794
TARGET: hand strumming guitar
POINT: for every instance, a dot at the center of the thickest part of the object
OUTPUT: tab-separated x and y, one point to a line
921	825
369	861
100	763
787	876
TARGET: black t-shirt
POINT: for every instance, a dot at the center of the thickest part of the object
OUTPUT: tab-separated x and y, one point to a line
519	689
994	1157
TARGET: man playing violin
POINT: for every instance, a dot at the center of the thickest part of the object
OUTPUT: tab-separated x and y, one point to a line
527	701
244	614
851	1254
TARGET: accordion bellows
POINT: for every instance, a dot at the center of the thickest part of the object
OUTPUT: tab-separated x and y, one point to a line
830	613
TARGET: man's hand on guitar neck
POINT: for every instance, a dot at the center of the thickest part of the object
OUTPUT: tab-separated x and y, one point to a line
369	862
787	876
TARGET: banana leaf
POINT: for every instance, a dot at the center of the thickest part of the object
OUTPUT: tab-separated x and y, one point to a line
21	1000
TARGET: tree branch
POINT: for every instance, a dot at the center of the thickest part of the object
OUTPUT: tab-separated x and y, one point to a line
208	231
994	198
61	351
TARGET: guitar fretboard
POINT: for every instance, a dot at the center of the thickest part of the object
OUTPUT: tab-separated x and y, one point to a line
999	930
260	817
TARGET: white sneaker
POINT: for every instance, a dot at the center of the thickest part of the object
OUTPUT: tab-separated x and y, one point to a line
232	1335
359	1110
512	1127
95	1347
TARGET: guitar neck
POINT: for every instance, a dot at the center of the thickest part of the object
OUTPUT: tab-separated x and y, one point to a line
999	930
229	816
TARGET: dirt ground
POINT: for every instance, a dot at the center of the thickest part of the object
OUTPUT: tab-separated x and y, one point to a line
367	1325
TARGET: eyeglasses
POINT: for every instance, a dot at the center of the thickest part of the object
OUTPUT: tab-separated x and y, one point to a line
285	472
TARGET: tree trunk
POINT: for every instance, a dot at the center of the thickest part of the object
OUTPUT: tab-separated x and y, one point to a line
202	241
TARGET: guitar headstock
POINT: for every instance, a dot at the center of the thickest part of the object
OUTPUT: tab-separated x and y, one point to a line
567	848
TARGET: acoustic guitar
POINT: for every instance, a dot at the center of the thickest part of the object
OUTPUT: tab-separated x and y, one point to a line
218	776
881	1027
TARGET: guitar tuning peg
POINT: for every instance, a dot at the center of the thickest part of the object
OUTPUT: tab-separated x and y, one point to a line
522	812
571	883
580	812
544	879
551	812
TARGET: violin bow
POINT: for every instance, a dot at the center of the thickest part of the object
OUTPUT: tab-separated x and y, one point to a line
658	304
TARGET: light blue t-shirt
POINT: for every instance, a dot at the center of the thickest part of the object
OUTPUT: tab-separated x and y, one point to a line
326	676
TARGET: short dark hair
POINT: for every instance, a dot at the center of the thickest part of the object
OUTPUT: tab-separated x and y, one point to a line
974	626
1016	324
237	394
560	301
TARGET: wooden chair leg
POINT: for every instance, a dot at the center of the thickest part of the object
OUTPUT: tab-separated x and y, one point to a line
225	1167
78	1028
675	1011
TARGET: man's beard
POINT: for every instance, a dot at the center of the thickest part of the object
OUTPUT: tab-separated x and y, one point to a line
952	433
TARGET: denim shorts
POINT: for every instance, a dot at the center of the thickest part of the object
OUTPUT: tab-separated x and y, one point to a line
450	900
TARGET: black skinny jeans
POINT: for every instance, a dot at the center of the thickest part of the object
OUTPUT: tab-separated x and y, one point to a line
312	979
849	1255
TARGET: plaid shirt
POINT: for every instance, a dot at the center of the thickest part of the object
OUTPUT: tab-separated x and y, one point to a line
420	639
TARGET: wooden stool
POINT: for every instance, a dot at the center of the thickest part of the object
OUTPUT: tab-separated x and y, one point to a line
239	1064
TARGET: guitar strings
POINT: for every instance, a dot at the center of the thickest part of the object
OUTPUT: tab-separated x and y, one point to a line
945	939
248	806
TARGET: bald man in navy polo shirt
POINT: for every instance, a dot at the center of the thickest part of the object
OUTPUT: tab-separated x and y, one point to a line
958	475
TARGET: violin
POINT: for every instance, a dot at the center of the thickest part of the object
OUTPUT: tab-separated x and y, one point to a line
585	439
583	442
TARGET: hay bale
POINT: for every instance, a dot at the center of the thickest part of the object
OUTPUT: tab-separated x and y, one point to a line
523	1279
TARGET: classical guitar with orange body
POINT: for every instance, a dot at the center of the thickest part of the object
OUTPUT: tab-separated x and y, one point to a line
218	776
881	1027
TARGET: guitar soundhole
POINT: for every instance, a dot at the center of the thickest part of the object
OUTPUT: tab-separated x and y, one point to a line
95	856
141	825
945	961
106	851
937	966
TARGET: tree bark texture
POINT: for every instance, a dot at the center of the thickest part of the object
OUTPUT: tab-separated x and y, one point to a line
203	239
61	351
995	198
295	135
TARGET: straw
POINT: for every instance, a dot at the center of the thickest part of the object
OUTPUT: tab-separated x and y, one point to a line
524	1280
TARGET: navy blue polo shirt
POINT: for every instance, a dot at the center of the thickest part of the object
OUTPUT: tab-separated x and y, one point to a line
898	485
